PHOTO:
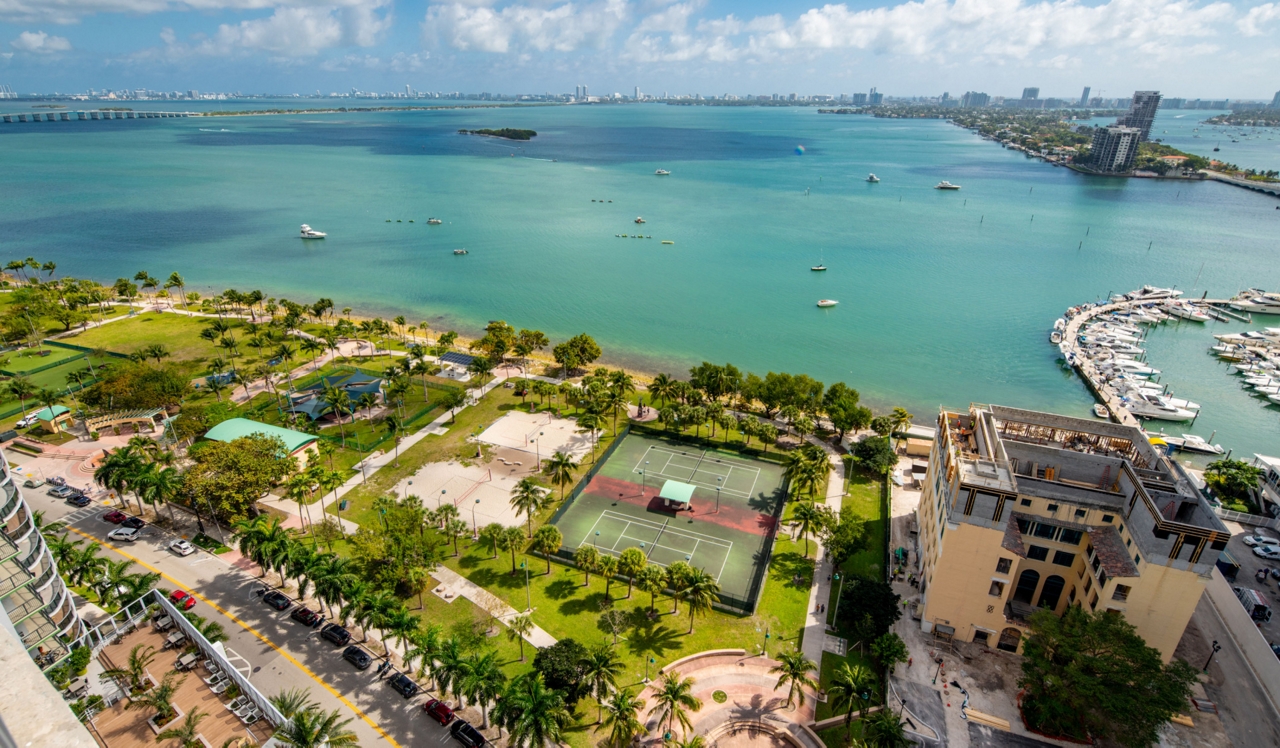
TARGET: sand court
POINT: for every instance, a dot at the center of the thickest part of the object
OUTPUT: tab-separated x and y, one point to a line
482	493
539	434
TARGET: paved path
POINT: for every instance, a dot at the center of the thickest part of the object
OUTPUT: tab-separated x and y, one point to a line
815	623
457	584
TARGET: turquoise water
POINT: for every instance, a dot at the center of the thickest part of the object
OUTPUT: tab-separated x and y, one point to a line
945	297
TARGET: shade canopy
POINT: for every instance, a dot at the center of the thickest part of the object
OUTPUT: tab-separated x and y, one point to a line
676	492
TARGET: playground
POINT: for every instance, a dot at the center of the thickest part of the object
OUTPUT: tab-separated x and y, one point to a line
715	510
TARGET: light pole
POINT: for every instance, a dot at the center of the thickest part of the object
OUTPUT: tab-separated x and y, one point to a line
1216	648
646	467
839	590
647	662
596	540
765	650
406	490
528	596
537	445
440	500
475	533
719	481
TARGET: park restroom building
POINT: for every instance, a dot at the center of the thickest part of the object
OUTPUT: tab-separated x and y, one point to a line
1022	510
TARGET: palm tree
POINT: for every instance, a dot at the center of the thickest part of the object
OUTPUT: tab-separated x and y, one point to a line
630	562
600	670
534	714
340	401
518	628
678	576
22	388
885	729
673	700
807	517
483	683
140	658
292	702
850	686
510	540
176	281
547	540
119	470
84	565
426	645
403	625
592	422
315	728
701	594
587	558
560	469
661	388
622	720
452	666
312	347
110	581
188	732
607	566
526	499
392	424
652	579
159	485
332	577
793	668
158	699
901	421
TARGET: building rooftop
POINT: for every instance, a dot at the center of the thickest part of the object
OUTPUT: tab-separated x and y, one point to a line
236	428
48	414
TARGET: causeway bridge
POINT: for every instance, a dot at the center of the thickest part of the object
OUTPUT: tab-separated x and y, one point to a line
1270	188
60	115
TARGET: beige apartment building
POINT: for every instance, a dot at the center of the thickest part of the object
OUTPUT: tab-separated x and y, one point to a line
1023	510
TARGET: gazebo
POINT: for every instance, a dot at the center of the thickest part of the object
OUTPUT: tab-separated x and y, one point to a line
676	495
54	419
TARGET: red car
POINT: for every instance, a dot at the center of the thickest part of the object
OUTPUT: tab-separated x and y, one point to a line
182	599
115	517
438	710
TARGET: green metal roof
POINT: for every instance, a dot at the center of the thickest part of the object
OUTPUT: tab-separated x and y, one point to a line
674	490
44	414
236	428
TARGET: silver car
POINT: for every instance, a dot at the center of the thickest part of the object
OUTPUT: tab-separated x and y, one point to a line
181	547
126	534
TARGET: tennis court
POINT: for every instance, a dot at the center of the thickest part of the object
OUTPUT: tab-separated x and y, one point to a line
726	528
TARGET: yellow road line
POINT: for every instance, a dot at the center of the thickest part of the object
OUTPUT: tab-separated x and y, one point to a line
251	630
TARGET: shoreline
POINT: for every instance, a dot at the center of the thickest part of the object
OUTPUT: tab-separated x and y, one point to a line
363	110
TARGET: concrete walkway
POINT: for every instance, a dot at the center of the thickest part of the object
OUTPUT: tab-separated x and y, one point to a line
453	584
815	623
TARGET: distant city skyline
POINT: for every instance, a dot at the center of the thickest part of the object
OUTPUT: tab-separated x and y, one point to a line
1190	48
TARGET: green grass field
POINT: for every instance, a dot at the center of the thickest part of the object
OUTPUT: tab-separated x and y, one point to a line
22	362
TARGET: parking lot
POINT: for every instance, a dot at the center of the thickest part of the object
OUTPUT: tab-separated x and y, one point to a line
1250	564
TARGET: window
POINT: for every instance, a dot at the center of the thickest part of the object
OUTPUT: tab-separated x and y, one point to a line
1003	565
1108	518
997	589
1121	593
1102	578
1128	543
1041	530
1088	584
1025	502
1071	537
1136	558
981	637
1062	558
1053	508
1088	551
1080	513
1037	553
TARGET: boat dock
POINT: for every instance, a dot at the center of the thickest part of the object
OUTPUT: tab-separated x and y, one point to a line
90	114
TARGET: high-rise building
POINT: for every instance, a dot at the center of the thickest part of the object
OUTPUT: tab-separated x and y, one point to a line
974	99
637	93
1031	93
408	91
1084	97
875	99
1114	148
859	99
1275	102
1142	112
1024	511
193	94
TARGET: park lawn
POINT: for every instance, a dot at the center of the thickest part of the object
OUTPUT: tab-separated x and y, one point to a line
831	663
54	379
22	362
177	332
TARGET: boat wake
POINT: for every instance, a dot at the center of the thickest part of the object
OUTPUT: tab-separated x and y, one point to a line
210	129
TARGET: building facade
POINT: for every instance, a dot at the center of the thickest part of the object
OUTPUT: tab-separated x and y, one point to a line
1114	148
1275	102
1084	97
1024	510
974	99
38	607
1142	112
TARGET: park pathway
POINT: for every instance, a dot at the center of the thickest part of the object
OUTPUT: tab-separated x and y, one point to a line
815	624
453	584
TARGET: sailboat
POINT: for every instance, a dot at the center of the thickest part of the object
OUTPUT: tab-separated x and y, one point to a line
820	266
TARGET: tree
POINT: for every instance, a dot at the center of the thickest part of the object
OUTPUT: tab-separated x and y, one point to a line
875	455
561	667
232	476
630	562
135	386
315	728
22	388
621	717
518	628
292	702
807	518
510	541
700	593
793	670
135	669
547	541
188	732
587	558
533	712
842	536
483	683
679	574
1092	674
901	420
885	729
158	699
601	668
842	407
1235	480
673	700
452	399
868	606
526	498
607	566
578	351
560	469
652	579
851	686
890	651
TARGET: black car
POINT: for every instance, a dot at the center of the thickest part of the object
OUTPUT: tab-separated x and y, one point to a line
464	733
276	599
79	500
304	615
335	634
404	686
134	522
358	657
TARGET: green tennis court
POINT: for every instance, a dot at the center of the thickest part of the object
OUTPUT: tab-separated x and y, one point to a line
726	527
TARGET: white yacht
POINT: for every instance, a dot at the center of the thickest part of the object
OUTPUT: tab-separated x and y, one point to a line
459	251
1187	311
873	178
662	173
827	302
310	233
1145	409
434	222
1193	443
945	185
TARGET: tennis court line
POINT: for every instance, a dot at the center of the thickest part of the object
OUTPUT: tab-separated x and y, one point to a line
725	459
697	538
643	522
727	462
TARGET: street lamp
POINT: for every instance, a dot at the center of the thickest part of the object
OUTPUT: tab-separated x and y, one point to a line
440	500
537	445
596	540
528	596
839	590
1216	648
475	533
765	650
406	490
719	482
646	467
648	661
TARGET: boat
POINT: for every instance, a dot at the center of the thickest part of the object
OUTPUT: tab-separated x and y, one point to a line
1193	443
1055	337
1186	311
310	233
945	185
460	251
873	178
639	219
819	267
1145	409
434	222
662	173
1101	411
827	303
667	241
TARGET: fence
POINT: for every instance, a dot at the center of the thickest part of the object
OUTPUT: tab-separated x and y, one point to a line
1254	520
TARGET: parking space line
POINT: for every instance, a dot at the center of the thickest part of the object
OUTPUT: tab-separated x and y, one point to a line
251	630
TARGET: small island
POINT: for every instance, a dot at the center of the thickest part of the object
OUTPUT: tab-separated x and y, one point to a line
507	133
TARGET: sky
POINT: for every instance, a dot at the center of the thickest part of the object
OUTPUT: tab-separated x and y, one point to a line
1191	48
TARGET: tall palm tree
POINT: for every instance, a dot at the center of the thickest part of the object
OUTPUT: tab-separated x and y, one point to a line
807	518
176	281
452	666
534	714
901	421
700	594
158	699
794	669
340	401
402	625
135	669
312	347
852	688
607	567
22	388
392	424
426	645
159	485
119	470
661	388
332	577
885	729
652	579
483	682
510	539
84	565
547	540
315	728
600	669
630	562
187	733
587	558
621	717
110	581
673	700
560	469
519	627
292	702
526	498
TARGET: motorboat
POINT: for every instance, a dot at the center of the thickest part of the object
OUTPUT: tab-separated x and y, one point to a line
434	222
945	185
662	173
667	241
819	267
310	233
1146	409
827	303
873	178
1193	443
1186	311
460	251
1055	337
1101	411
639	219
1258	304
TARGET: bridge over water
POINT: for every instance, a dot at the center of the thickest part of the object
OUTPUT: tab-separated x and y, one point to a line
88	114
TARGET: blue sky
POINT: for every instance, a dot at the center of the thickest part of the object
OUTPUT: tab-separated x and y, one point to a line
1194	48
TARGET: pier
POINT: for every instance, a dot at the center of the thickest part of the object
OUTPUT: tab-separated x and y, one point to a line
88	114
1270	188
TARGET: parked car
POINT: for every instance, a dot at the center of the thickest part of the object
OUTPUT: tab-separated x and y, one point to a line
135	523
79	500
335	634
26	421
358	657
304	615
62	492
126	534
181	547
115	517
438	710
1269	552
404	686
1259	539
464	733
183	600
1275	650
276	599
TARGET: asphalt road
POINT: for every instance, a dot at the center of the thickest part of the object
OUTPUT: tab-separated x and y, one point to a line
282	653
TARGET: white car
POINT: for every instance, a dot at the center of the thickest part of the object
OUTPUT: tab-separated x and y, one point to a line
182	547
1252	540
27	421
1269	552
127	534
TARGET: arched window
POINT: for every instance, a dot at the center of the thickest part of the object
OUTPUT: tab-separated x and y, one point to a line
1027	583
1052	591
1009	639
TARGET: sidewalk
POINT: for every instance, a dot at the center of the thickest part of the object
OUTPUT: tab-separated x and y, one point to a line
453	584
815	623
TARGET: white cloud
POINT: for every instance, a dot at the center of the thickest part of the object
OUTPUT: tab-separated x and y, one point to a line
38	42
562	28
289	32
1258	16
70	11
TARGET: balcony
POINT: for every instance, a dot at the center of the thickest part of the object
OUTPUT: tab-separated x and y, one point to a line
32	558
12	576
23	604
35	630
1019	613
21	532
12	497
